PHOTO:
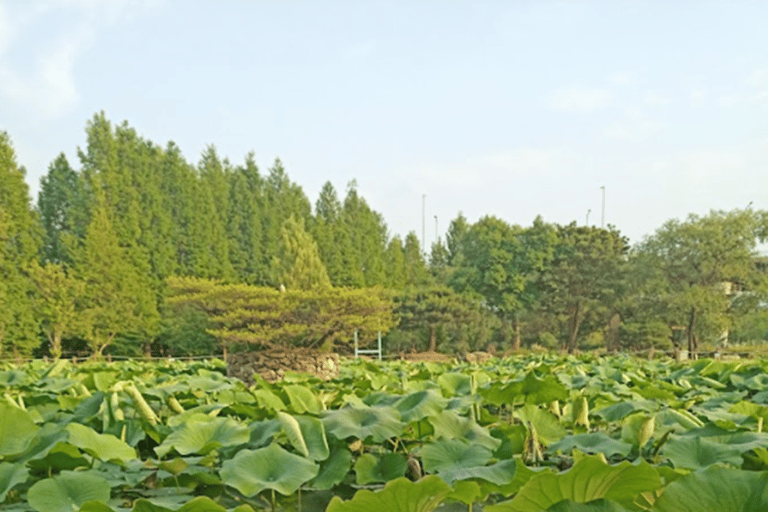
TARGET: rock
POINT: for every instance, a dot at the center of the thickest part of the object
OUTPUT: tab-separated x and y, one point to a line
271	365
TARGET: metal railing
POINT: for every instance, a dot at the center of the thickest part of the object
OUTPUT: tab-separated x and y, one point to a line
376	351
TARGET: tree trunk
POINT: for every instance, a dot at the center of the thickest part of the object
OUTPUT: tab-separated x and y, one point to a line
573	327
56	345
693	342
516	340
432	338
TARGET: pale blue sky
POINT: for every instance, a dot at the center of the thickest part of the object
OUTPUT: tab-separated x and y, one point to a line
509	108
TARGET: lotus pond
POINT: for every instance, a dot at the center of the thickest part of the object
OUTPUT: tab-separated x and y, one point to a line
525	434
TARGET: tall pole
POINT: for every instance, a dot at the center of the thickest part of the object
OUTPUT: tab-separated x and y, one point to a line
423	223
435	228
588	212
602	219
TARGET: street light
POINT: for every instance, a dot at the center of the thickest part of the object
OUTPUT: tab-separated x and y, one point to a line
435	229
423	224
602	219
588	212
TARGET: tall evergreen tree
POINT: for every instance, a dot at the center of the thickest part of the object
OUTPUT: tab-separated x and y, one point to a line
367	234
20	238
416	272
301	264
214	201
56	201
118	298
244	222
330	234
282	199
395	264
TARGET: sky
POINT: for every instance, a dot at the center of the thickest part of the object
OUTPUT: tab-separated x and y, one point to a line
508	108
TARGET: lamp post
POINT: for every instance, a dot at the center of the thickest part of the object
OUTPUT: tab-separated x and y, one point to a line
588	212
435	229
423	224
602	219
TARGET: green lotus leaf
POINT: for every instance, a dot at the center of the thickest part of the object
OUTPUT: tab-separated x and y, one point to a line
533	389
419	405
370	469
202	434
600	505
251	472
447	454
597	442
502	473
104	447
450	425
67	491
619	410
302	400
306	434
262	432
377	423
697	452
199	504
716	488
17	430
400	495
589	479
454	384
96	506
333	470
10	476
548	427
268	400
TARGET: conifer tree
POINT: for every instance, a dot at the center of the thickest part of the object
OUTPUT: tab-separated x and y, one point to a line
395	264
56	202
20	237
416	273
302	268
244	222
118	298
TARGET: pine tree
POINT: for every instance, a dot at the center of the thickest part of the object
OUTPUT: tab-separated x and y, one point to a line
395	264
20	237
416	273
57	199
118	298
302	268
282	199
244	222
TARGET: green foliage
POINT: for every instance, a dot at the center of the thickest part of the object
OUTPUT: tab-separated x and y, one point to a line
694	258
264	317
19	247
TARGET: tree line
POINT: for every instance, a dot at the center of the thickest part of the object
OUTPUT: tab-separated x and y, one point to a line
135	250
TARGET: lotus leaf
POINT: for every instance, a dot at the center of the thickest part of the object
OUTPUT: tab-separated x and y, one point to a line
251	472
370	469
17	430
716	488
589	479
67	491
596	442
400	495
376	423
306	434
201	434
102	446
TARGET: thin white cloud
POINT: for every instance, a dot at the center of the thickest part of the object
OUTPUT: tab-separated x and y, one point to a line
579	100
758	78
45	85
480	171
697	97
620	79
654	99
